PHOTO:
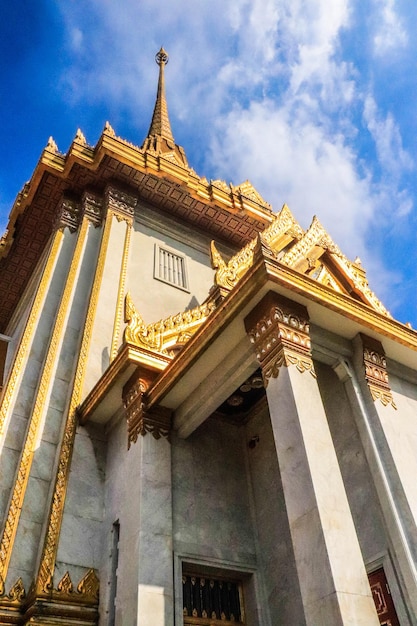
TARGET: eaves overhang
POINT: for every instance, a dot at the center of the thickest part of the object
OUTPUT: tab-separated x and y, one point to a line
220	356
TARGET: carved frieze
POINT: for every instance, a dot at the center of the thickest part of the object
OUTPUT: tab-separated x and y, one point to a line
141	419
279	331
164	335
376	374
68	214
121	203
93	208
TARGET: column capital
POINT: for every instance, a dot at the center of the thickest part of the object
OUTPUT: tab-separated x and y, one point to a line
121	203
376	374
93	208
68	214
279	330
140	418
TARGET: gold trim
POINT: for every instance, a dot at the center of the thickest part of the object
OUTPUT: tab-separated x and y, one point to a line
279	330
282	230
28	332
141	419
376	374
16	501
121	293
166	335
50	547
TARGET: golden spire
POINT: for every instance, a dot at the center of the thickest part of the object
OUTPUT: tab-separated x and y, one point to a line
160	141
160	121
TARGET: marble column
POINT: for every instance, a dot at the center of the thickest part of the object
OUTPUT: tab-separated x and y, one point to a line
148	440
390	452
331	572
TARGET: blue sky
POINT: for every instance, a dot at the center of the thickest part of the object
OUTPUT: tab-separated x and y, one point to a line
315	102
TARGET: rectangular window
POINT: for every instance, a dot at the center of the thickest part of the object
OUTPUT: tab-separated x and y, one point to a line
170	268
113	575
211	601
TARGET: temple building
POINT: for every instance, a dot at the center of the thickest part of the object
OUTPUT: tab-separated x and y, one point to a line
206	415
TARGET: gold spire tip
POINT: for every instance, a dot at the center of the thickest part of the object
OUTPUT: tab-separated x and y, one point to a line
161	57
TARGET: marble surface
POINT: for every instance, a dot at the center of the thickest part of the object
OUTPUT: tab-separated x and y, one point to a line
326	548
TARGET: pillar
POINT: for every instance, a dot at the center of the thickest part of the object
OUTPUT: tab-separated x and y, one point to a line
332	577
149	439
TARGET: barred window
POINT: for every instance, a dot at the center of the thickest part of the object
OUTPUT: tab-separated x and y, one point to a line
209	601
170	268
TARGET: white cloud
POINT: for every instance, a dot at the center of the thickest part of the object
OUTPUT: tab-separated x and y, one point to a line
386	135
390	31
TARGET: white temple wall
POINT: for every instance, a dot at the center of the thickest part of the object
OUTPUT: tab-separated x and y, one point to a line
122	501
400	429
213	524
102	333
153	298
80	543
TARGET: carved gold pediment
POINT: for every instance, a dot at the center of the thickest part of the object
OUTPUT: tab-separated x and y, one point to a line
311	252
167	335
247	190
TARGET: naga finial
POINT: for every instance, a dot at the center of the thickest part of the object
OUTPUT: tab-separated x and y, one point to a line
162	57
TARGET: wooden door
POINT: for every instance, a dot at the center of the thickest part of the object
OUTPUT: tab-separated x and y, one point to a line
382	597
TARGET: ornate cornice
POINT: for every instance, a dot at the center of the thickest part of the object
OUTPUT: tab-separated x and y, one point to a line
68	215
141	419
376	374
279	331
93	208
121	203
166	335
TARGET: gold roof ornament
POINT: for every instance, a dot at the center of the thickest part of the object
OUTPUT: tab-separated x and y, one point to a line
310	252
166	336
160	124
160	140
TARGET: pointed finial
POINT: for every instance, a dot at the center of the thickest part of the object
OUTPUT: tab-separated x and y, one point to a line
108	129
162	57
160	125
79	136
51	145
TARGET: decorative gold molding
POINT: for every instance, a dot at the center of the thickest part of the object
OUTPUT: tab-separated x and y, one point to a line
35	420
141	420
122	204
247	190
24	345
93	208
63	604
47	562
166	335
376	374
279	330
228	274
68	215
121	293
283	229
315	236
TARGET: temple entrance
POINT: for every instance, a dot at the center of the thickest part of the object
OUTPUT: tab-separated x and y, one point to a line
382	597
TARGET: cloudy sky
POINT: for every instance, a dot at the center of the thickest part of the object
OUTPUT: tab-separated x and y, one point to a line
313	101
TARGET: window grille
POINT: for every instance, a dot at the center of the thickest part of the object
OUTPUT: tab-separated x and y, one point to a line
211	601
170	268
